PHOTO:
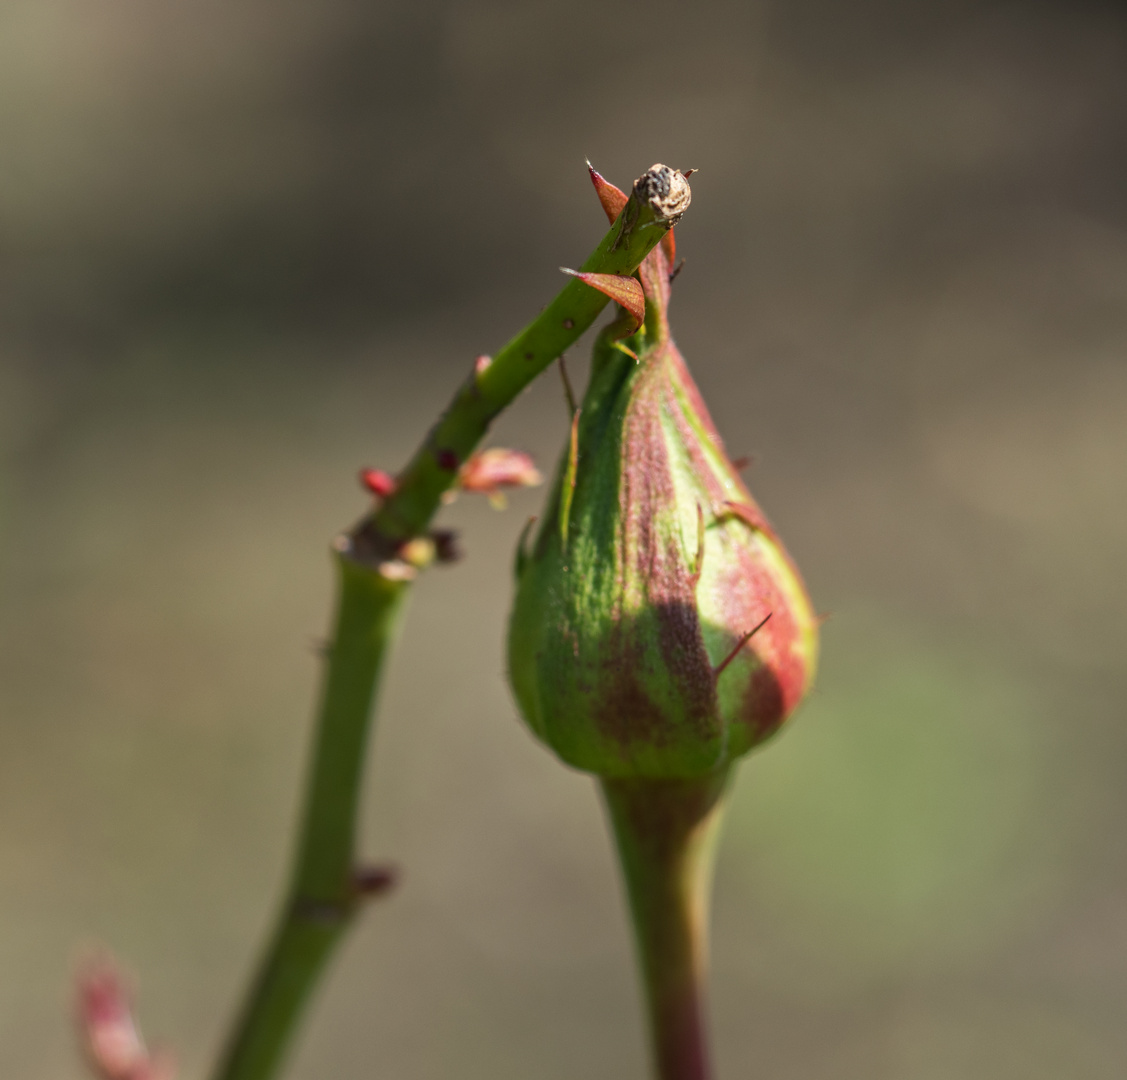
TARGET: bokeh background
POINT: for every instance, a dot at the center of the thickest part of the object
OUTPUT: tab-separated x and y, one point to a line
248	248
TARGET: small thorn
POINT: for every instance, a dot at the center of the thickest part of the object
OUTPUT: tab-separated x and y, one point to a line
613	199
567	489
749	515
569	393
741	463
379	483
822	618
520	561
372	881
446	459
676	270
699	567
624	291
686	173
446	546
625	349
719	669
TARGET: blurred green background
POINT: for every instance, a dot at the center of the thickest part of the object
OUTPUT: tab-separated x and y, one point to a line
246	249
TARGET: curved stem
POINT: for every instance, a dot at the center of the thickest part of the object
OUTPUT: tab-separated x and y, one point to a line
323	894
665	832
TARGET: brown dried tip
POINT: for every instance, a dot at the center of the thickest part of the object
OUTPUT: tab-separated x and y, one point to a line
625	291
612	198
111	1041
665	191
488	471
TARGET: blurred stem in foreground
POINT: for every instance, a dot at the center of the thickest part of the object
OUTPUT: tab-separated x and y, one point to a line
375	570
666	833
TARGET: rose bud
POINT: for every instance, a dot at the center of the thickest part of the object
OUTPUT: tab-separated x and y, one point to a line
660	629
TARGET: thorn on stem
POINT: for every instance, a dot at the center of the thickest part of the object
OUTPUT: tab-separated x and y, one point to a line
741	463
624	291
612	198
372	881
522	555
446	546
719	669
676	270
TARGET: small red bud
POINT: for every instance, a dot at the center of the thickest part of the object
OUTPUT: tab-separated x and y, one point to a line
113	1044
379	483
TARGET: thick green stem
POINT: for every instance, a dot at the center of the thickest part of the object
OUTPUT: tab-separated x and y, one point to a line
666	832
324	894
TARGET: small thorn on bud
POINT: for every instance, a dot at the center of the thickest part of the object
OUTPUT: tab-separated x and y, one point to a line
719	669
676	269
741	463
624	291
446	459
698	569
372	881
481	364
569	393
686	173
522	554
379	483
569	324
613	199
625	349
490	470
567	489
446	546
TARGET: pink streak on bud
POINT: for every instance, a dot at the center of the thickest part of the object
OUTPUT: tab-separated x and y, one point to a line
612	198
378	482
495	468
113	1044
624	291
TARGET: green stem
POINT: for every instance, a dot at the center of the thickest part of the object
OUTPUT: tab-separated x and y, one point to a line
666	832
323	895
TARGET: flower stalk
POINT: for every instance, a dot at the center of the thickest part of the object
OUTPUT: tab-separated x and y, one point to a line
665	832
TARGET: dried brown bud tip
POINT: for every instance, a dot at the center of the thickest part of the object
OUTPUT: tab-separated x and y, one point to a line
665	191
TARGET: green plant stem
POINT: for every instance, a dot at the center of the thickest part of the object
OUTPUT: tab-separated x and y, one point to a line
373	585
665	832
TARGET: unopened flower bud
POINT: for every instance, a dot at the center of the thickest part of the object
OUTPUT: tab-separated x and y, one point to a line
660	629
